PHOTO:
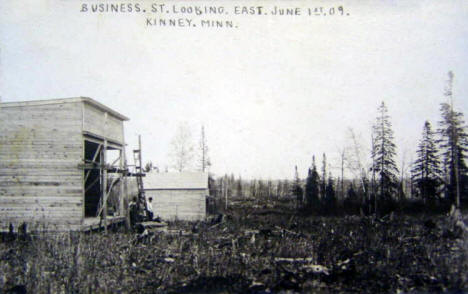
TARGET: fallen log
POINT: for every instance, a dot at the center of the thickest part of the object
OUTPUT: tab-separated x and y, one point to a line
288	231
153	224
294	260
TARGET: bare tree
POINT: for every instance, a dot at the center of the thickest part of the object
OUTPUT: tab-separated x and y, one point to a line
354	157
342	161
205	162
182	148
355	162
404	169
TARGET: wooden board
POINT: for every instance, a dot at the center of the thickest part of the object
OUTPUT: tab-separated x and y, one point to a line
179	204
153	224
93	223
40	149
107	126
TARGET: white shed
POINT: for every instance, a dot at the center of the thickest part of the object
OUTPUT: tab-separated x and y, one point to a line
179	196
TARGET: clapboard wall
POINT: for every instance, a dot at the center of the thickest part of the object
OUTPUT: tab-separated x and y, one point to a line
179	204
40	148
104	125
177	195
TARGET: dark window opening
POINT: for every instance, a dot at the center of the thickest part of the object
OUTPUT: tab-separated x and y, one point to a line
93	185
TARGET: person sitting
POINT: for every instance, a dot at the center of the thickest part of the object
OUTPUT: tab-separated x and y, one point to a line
133	210
149	209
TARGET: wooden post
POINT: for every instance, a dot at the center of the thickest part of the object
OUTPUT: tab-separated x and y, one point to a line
122	180
104	185
127	211
139	153
104	172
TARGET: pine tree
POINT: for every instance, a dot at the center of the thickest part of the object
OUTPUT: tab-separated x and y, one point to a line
212	186
323	180
426	169
285	188
269	187
231	184
312	185
253	188
239	187
261	187
148	167
279	189
297	187
351	194
330	195
383	153
453	142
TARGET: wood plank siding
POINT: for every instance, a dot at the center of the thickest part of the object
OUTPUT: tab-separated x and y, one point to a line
179	204
40	183
178	195
105	126
41	150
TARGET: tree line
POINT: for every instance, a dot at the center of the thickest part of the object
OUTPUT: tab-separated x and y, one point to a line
437	176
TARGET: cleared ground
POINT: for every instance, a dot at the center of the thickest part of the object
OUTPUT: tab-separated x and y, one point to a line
253	248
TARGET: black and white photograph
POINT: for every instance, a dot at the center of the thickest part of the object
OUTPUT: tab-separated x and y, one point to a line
233	146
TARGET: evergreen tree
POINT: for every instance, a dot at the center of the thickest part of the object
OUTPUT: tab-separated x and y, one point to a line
426	169
269	187
323	180
260	187
453	142
231	182
239	187
285	188
148	167
312	185
213	190
330	196
383	153
253	188
279	189
297	187
352	195
351	198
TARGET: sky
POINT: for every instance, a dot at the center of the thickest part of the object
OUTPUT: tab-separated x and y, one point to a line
272	91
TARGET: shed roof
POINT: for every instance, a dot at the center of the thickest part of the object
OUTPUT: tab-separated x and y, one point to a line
88	100
175	181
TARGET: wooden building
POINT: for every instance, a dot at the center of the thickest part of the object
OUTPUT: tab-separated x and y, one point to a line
179	196
61	164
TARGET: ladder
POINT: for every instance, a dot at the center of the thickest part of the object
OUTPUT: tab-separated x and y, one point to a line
139	175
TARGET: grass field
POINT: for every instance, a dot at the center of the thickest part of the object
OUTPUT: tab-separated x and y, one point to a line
252	250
